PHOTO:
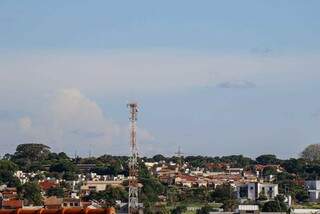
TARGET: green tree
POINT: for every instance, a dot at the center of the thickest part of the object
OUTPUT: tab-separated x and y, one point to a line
269	170
32	152
262	196
311	153
159	158
7	169
237	160
277	205
110	195
205	210
179	209
32	193
226	195
55	191
65	168
151	187
267	159
294	166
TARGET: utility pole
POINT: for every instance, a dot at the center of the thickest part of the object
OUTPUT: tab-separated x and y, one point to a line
133	205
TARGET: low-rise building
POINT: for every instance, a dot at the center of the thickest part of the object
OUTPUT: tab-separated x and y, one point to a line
313	187
252	191
98	186
52	202
11	203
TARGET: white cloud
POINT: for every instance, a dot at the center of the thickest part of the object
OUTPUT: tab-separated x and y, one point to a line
73	121
69	120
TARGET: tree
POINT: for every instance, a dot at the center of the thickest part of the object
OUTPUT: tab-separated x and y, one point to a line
7	165
31	192
294	165
277	205
237	160
110	195
205	210
159	158
225	194
32	152
267	159
55	191
311	153
302	195
269	170
262	196
7	169
179	209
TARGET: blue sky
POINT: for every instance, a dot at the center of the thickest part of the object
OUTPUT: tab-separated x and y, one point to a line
215	77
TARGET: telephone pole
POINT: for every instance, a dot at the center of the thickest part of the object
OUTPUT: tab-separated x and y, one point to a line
133	205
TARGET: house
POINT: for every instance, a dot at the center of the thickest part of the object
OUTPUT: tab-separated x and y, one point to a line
253	190
52	202
98	186
48	184
72	202
234	171
11	204
217	166
186	180
9	193
259	168
313	187
34	210
149	165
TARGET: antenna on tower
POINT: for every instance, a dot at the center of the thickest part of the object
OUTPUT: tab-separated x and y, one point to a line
133	161
179	156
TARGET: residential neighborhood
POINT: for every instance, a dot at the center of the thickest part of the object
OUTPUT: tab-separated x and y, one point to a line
230	183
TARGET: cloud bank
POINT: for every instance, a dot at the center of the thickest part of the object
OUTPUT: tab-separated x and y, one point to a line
50	97
72	122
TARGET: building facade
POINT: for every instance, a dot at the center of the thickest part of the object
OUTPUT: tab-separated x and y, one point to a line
253	191
313	188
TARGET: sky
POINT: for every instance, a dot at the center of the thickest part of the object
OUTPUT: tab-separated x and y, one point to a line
213	77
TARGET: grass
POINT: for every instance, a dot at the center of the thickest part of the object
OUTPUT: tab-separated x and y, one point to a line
194	204
307	205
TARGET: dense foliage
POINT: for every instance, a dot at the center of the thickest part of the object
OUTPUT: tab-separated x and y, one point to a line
276	205
31	192
225	194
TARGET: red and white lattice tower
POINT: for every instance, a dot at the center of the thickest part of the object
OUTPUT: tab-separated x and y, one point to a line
133	205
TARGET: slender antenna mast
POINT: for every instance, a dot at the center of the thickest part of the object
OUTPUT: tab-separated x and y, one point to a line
133	161
179	156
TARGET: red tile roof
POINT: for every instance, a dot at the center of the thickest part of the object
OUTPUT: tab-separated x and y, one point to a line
47	184
12	203
58	211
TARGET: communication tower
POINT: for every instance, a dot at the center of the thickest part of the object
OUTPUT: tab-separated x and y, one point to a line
133	205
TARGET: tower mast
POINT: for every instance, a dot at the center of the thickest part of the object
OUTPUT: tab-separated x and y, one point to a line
133	161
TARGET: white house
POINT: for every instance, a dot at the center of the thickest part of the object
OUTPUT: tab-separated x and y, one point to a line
253	190
313	189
